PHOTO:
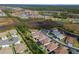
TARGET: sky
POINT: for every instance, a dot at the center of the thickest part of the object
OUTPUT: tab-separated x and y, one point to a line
39	1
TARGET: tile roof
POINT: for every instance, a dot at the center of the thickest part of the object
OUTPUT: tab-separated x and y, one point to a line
52	46
45	41
70	39
61	50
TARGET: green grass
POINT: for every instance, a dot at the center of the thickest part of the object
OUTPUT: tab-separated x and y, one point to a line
13	48
76	43
27	38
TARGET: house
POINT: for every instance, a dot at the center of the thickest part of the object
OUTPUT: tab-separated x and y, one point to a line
58	34
4	37
61	50
45	42
70	41
51	46
38	35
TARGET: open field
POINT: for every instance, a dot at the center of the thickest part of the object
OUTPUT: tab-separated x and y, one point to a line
6	21
72	27
6	32
41	23
6	24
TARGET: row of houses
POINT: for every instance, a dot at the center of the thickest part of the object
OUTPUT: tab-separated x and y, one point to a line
7	41
58	34
25	13
69	40
44	40
49	44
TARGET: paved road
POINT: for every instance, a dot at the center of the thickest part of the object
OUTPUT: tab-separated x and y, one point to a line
9	41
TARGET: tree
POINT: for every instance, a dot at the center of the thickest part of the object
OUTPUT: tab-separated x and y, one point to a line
63	15
0	47
55	14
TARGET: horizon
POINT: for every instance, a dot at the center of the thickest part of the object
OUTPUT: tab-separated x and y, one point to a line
43	5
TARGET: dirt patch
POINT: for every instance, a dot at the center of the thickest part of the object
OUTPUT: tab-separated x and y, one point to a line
6	50
73	27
